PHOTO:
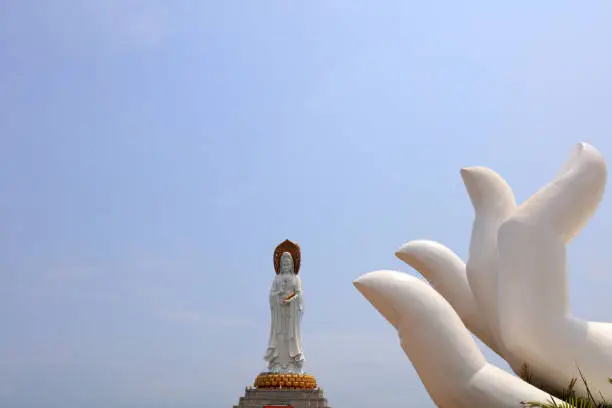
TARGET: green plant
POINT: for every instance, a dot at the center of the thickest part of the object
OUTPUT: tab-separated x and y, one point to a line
568	395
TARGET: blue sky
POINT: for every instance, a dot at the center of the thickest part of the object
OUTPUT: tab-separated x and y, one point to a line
153	154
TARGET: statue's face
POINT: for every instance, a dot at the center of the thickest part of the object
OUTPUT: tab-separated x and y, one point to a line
286	264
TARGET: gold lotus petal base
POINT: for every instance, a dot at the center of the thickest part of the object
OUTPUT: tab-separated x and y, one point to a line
285	381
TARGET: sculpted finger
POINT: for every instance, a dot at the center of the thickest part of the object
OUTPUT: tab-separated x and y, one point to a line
444	354
432	335
489	193
565	205
445	271
493	202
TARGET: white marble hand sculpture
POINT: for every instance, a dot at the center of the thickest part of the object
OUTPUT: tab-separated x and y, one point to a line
444	354
534	313
560	209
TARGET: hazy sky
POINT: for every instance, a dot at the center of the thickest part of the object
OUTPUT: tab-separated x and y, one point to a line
153	154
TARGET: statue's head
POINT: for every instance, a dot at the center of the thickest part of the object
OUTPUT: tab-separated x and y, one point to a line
286	263
287	250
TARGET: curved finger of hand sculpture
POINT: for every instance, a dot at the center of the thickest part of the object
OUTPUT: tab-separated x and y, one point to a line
493	202
472	290
445	272
535	317
444	354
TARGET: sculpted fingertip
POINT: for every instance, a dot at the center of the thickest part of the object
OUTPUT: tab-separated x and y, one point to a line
403	252
376	287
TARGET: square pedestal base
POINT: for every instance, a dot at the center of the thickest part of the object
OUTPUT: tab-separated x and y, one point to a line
255	398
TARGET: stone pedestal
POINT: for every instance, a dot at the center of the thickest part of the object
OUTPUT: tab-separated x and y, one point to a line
258	398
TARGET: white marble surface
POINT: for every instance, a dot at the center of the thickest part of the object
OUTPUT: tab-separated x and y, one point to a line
513	293
532	264
284	353
440	347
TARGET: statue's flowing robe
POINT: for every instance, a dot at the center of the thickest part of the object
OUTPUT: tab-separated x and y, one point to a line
285	345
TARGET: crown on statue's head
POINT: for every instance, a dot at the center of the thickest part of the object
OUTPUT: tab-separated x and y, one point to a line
291	247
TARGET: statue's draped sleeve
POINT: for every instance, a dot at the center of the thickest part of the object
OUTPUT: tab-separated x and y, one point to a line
295	334
275	303
298	292
275	325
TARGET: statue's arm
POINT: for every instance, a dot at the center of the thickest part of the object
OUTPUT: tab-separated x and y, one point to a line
274	292
298	292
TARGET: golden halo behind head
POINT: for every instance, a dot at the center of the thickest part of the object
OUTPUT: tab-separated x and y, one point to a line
291	247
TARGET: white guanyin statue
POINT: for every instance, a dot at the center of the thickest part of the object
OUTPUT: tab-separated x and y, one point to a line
284	354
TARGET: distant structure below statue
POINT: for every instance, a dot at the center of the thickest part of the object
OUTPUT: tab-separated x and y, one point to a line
284	354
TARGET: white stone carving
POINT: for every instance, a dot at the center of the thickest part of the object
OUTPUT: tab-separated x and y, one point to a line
513	294
444	354
538	325
284	354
